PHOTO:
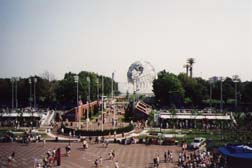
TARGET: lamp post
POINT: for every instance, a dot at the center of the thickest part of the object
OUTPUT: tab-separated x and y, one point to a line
12	93
221	96
97	84
112	82
112	96
236	80
16	95
88	99
76	80
102	101
35	81
30	98
211	82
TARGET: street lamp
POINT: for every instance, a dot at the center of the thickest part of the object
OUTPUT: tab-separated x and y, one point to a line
97	84
76	80
16	95
236	80
35	81
88	99
112	82
12	93
112	96
221	96
102	101
30	98
211	82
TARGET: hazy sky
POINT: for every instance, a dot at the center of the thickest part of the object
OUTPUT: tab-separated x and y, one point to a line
107	35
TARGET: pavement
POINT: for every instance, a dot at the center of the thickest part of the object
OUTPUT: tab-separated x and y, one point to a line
128	156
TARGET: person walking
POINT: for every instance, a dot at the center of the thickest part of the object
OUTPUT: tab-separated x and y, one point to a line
85	145
68	150
96	163
62	130
110	155
107	143
44	142
100	160
165	156
155	162
158	160
116	164
11	159
113	154
171	157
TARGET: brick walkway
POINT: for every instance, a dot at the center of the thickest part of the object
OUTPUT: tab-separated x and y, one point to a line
129	156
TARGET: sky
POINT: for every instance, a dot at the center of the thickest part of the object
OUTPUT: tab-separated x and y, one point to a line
106	36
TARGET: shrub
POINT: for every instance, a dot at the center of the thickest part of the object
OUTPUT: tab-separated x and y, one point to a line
99	132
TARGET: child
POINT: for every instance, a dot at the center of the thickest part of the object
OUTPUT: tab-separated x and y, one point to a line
11	158
96	163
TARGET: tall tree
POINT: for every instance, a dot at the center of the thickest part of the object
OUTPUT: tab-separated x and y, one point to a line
186	66
168	89
195	90
246	95
66	91
191	61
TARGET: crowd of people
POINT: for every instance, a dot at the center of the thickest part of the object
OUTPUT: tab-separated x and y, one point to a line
191	159
200	159
51	159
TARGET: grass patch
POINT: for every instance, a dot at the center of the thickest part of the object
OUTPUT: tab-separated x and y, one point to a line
217	137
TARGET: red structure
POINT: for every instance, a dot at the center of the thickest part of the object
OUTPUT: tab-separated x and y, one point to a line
77	113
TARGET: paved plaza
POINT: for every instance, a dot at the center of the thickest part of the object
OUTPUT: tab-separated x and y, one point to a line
128	156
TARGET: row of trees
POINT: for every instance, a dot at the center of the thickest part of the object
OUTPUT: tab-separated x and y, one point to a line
55	93
183	91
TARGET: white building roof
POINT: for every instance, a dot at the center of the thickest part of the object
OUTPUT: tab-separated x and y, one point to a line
24	114
195	117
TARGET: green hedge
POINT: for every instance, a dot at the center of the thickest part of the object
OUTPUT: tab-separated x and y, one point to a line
99	132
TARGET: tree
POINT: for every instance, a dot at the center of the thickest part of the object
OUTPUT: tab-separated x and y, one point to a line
129	111
48	76
189	85
191	61
195	90
188	101
66	90
168	89
151	119
247	94
187	66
